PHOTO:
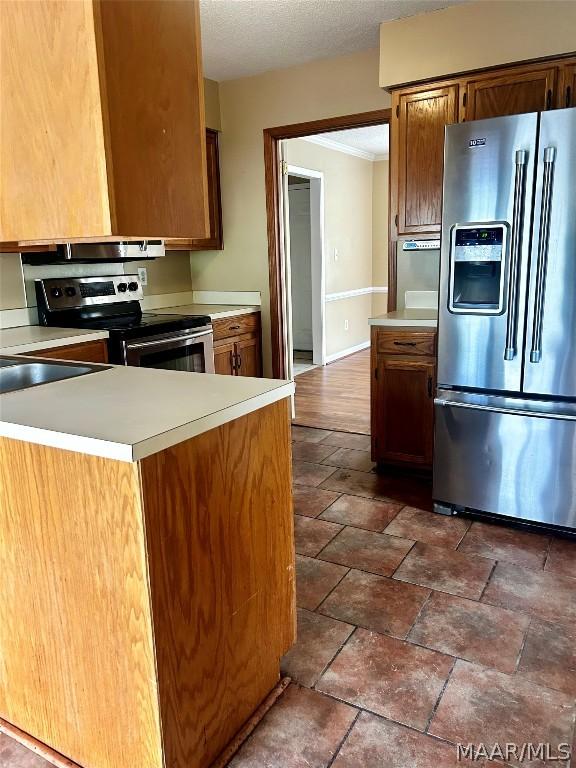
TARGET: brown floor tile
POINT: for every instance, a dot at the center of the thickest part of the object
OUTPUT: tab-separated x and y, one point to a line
445	570
375	602
348	440
314	580
349	458
353	482
377	743
429	527
366	550
311	501
387	676
500	542
562	557
315	452
309	434
361	513
14	755
549	656
303	728
482	633
481	705
312	535
548	596
307	473
410	488
319	639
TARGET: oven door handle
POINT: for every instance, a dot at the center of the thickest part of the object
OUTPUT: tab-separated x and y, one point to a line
170	341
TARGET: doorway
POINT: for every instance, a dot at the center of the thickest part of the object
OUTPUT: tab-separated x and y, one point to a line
305	221
332	213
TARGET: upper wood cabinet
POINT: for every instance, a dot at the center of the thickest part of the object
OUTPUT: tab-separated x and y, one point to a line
567	86
215	239
510	93
103	126
421	118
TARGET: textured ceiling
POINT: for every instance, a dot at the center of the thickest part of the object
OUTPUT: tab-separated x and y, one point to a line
373	140
246	37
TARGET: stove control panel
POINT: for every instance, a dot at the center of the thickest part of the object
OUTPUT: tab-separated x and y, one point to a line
75	292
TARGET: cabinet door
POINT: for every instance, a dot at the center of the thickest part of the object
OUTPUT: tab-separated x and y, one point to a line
248	357
422	117
567	87
404	410
224	358
215	240
511	93
87	352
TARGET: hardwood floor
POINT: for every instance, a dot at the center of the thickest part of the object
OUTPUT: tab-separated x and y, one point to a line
336	396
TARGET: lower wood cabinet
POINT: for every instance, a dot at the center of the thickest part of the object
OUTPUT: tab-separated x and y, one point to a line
402	395
237	345
87	352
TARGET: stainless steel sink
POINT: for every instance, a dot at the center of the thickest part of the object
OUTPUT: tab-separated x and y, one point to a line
16	375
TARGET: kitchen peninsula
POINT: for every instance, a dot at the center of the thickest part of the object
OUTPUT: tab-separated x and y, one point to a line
147	560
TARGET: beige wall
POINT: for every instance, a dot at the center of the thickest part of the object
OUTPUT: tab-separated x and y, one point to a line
170	274
354	190
12	294
473	36
327	88
347	212
355	309
212	104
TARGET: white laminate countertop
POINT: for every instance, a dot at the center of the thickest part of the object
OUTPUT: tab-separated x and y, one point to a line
32	338
214	311
128	413
407	317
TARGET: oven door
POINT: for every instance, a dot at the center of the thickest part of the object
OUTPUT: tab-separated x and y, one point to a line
184	351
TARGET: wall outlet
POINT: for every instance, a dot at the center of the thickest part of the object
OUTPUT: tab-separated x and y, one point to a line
346	325
143	275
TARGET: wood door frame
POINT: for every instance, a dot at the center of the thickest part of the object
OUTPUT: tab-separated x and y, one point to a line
272	137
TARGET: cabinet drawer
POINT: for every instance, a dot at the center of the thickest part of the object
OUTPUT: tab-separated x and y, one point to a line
235	326
406	343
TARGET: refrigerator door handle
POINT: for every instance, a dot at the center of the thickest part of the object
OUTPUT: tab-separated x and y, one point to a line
515	250
542	263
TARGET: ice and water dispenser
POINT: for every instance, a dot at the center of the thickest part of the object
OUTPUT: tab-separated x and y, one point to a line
477	268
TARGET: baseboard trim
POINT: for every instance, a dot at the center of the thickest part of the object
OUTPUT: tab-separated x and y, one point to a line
346	352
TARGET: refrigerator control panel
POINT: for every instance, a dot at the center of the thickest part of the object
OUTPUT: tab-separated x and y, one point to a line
477	273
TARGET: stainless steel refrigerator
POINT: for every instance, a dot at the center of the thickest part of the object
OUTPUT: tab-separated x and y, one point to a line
505	407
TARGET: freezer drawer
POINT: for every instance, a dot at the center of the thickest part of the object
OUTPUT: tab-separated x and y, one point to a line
517	462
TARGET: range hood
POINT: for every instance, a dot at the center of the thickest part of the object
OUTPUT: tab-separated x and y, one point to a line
121	251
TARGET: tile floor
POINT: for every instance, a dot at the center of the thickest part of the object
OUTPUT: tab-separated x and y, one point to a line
415	631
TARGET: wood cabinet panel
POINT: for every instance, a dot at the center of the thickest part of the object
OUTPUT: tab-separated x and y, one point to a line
422	117
116	148
248	357
235	326
220	506
510	93
224	358
402	397
88	352
567	86
406	342
215	239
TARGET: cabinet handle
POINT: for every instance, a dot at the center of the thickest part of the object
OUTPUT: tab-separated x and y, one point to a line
234	327
232	361
238	361
430	382
549	99
568	96
405	343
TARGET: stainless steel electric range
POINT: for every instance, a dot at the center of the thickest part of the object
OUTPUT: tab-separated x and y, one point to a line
112	303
